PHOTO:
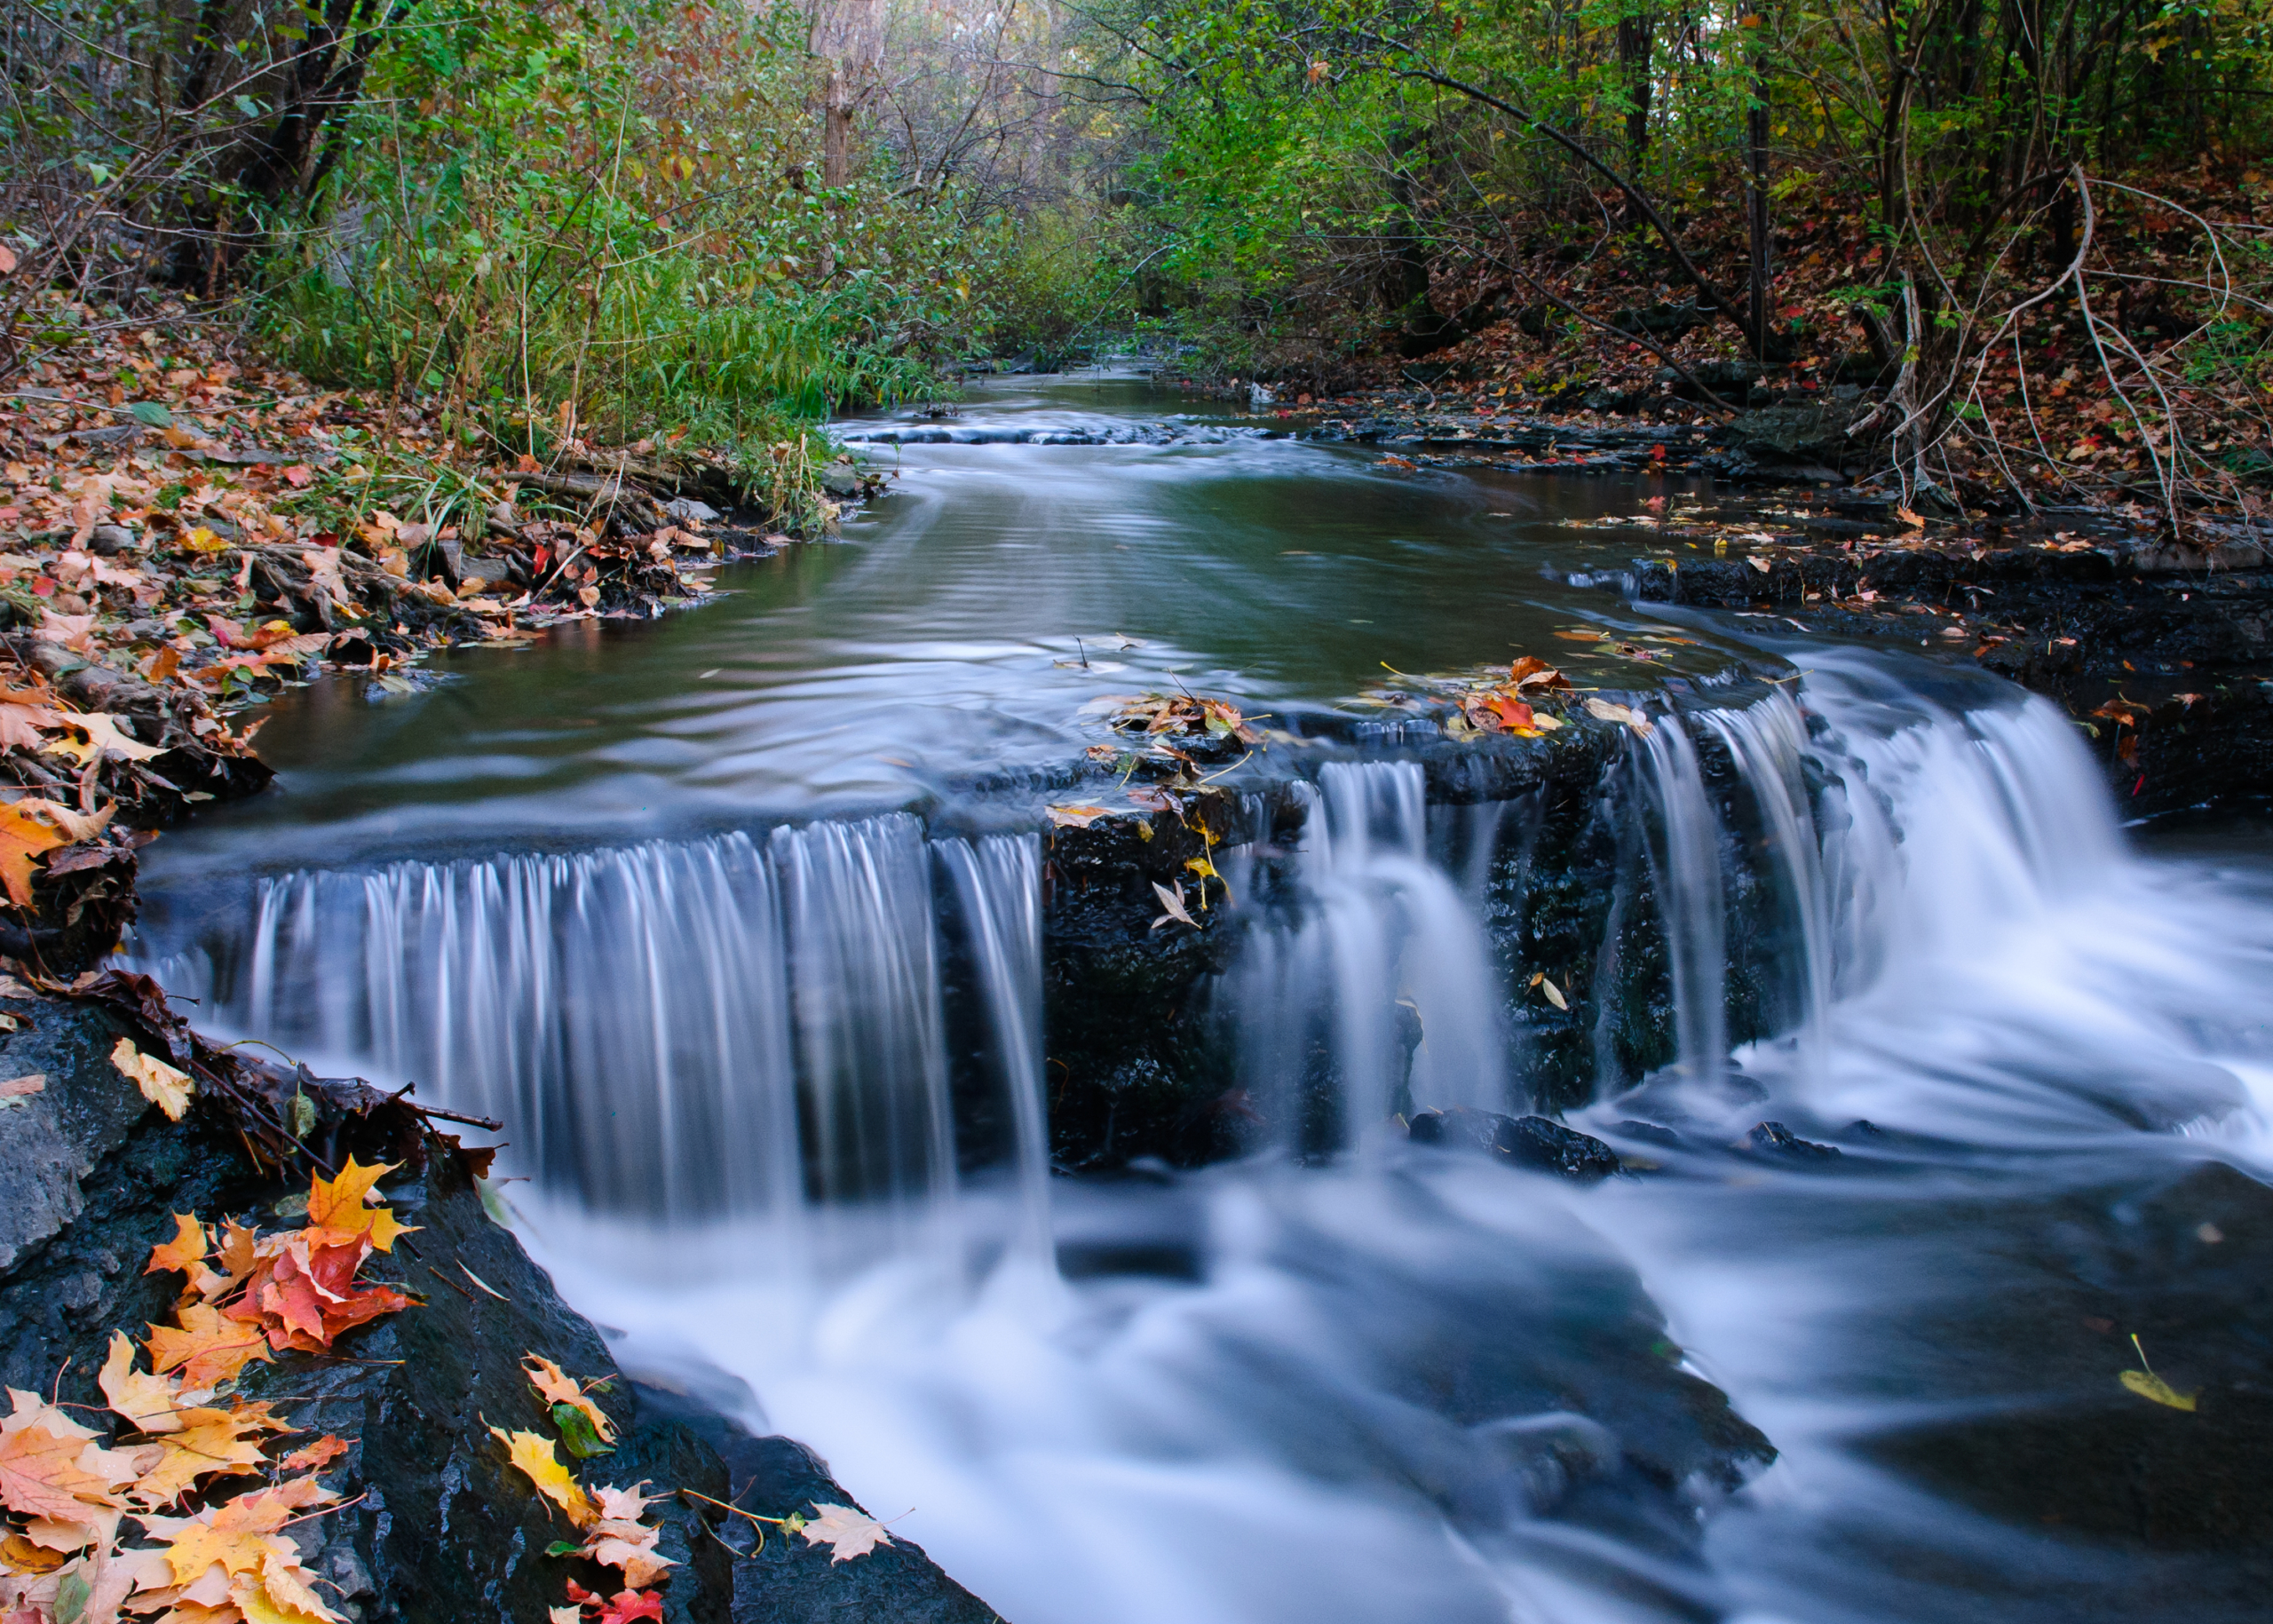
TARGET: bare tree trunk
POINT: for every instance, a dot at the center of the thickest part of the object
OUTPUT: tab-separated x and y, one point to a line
836	129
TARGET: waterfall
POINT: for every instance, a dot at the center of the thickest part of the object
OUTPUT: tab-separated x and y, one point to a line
998	883
1685	869
1382	955
681	1030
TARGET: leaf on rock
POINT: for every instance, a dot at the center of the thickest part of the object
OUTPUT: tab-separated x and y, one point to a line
1173	901
339	1204
23	838
1076	817
51	1466
541	1466
152	1402
848	1533
184	1252
314	1457
1607	710
105	742
2147	1385
206	1347
208	1441
160	1084
558	1389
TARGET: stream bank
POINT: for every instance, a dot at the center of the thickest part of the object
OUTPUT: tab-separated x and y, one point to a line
432	1525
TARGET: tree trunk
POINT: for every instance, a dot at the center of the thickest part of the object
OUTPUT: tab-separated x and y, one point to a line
1636	35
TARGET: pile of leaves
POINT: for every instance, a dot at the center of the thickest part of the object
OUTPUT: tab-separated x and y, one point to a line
1184	718
207	1555
181	515
1511	706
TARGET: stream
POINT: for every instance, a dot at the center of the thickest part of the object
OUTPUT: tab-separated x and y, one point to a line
738	920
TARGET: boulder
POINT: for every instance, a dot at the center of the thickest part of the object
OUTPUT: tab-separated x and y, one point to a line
1535	1142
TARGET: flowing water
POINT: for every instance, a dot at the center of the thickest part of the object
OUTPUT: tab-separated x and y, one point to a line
725	917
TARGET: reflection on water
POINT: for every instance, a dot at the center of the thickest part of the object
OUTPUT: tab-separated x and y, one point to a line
945	638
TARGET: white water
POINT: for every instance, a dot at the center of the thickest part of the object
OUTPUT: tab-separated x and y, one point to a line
1355	1405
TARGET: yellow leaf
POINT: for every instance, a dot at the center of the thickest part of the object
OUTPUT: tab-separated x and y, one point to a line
208	1441
152	1403
186	1249
103	740
337	1204
162	1085
2147	1384
535	1457
205	1347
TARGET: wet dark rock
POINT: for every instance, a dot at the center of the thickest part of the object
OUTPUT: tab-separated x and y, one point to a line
2189	646
2182	1266
439	1527
1810	441
1775	1140
1528	1141
782	1579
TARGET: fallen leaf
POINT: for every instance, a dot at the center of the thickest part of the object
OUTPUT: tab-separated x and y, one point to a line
534	1457
1077	817
160	1084
1554	993
184	1252
848	1533
51	1466
22	837
206	1347
103	740
316	1456
151	1402
558	1389
1173	901
1607	710
338	1205
205	1441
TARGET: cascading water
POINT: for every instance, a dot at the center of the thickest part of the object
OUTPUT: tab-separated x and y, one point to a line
1383	956
1346	1379
684	1030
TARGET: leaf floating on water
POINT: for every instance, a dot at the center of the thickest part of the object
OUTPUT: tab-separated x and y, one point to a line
2147	1385
1607	710
846	1532
1075	816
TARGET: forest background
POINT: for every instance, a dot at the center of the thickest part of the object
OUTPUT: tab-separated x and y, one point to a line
2033	232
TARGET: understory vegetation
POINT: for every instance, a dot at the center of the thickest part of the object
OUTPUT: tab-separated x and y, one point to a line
2034	233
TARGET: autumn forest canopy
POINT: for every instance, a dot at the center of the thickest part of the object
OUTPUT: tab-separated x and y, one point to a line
2031	234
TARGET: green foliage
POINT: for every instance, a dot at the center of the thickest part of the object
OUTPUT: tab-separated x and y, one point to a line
604	223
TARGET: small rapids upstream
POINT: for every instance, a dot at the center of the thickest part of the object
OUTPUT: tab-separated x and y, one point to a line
782	1098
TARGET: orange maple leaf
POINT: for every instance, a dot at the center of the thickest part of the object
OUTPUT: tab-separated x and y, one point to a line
51	1466
22	837
339	1204
208	1347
